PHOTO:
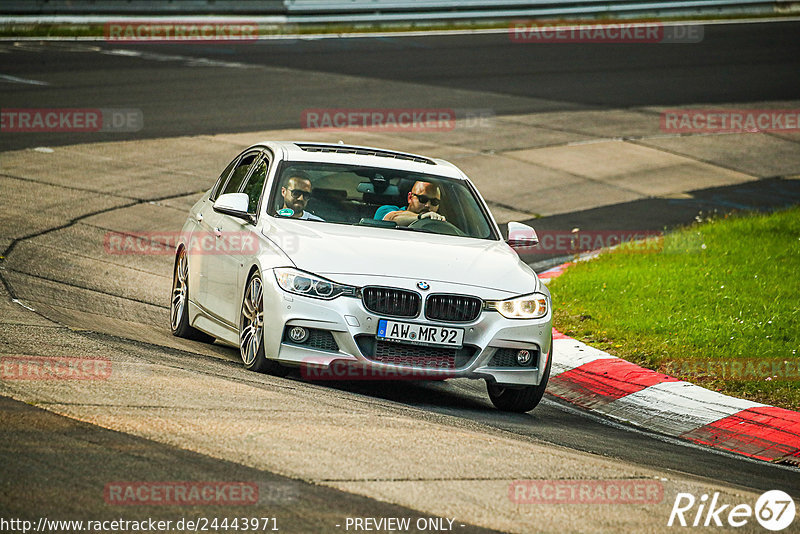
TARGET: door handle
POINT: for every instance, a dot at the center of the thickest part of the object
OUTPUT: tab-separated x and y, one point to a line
199	217
218	232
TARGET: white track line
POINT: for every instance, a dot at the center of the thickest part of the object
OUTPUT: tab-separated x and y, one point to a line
14	79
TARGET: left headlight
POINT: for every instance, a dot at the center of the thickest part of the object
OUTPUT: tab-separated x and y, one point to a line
310	285
533	306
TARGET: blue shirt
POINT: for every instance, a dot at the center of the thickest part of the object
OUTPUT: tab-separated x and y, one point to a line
383	211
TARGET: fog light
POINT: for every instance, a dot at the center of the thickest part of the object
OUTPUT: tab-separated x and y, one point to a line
524	357
298	334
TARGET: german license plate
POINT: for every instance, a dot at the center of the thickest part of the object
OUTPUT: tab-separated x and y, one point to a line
420	334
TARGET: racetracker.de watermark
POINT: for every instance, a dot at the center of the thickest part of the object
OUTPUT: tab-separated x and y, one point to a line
625	32
165	243
616	491
179	31
181	493
55	368
385	119
395	119
71	120
745	370
578	241
730	120
431	369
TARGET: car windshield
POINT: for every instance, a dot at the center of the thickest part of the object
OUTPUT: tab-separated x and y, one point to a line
354	195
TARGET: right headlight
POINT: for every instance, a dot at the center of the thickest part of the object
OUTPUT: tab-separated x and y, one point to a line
533	306
310	285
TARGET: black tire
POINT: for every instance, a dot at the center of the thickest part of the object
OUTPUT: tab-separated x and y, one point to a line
251	330
179	303
523	399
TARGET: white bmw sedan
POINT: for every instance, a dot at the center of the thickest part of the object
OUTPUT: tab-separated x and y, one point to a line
312	255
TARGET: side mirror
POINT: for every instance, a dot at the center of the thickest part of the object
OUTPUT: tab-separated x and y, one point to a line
235	205
521	235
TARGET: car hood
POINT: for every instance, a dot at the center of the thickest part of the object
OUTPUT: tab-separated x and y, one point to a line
331	249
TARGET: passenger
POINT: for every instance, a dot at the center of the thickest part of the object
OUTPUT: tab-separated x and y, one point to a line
423	203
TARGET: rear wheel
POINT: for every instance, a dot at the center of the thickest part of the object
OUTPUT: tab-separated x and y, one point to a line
524	399
179	305
251	330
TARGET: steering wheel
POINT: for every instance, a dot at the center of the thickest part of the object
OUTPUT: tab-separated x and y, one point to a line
436	227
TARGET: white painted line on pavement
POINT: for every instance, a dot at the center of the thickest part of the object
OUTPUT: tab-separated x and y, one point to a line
14	79
17	301
189	60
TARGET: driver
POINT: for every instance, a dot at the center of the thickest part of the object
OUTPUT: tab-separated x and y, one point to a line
423	203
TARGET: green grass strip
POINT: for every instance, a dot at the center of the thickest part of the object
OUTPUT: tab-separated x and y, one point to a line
715	303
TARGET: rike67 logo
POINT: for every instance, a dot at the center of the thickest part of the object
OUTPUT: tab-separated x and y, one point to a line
774	510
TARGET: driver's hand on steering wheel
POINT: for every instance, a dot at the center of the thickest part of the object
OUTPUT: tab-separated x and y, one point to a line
432	215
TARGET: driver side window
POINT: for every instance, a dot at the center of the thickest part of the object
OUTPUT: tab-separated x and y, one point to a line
221	181
239	173
255	185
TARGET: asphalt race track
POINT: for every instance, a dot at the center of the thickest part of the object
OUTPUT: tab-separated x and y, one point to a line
266	85
177	410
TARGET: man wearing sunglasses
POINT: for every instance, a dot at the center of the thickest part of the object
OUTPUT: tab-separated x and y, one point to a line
423	203
295	195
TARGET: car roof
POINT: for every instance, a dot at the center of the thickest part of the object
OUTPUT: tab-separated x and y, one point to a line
363	155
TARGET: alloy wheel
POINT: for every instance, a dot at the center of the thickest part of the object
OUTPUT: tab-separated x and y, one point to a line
179	291
252	321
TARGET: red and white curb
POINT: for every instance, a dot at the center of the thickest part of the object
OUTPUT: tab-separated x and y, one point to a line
604	384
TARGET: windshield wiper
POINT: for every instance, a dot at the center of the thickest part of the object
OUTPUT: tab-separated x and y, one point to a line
423	230
366	221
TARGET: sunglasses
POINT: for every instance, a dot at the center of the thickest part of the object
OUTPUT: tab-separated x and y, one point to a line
424	199
297	193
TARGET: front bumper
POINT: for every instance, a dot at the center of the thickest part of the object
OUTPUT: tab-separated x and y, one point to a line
489	343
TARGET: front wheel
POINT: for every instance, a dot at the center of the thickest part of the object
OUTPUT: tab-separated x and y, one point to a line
522	399
251	330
